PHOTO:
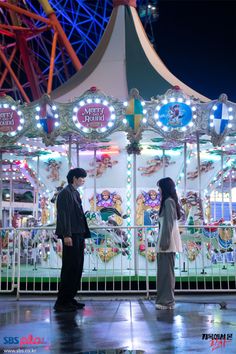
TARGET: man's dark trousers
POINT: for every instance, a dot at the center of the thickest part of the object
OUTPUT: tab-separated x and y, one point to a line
71	271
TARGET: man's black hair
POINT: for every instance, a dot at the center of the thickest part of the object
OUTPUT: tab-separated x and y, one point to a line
76	172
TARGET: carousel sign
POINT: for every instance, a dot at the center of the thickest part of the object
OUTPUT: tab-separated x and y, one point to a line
94	115
9	120
175	115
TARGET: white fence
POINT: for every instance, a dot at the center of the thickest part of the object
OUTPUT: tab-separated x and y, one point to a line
118	260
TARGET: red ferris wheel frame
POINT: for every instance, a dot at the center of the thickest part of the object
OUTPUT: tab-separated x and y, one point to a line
20	35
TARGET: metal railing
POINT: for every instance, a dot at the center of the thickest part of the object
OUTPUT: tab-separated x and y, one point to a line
118	260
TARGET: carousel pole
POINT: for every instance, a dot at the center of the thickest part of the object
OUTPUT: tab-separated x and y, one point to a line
135	213
185	168
69	153
11	197
222	185
200	195
77	154
95	180
34	207
37	192
215	205
230	194
134	185
164	163
185	189
1	184
199	167
35	196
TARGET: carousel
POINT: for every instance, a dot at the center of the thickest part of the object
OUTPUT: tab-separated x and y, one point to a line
127	133
125	147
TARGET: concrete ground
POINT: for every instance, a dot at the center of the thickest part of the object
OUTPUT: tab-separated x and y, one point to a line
199	323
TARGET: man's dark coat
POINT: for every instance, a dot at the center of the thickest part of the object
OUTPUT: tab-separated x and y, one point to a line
70	214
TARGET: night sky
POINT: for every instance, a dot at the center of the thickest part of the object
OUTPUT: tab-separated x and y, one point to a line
197	42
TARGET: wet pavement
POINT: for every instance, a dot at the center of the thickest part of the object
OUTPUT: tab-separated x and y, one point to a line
199	323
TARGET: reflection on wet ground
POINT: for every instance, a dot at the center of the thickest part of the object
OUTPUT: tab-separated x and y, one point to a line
134	326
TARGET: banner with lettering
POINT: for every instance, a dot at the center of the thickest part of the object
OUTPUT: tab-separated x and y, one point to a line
9	120
12	120
94	115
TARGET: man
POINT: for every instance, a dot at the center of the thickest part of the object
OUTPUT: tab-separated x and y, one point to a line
72	228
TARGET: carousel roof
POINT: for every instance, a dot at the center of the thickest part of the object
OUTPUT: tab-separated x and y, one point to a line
124	59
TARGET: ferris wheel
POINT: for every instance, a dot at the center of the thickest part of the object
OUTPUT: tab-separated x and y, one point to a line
43	43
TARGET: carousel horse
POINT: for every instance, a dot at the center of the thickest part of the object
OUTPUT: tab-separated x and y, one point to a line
192	214
219	241
224	251
107	241
193	208
192	249
211	230
225	237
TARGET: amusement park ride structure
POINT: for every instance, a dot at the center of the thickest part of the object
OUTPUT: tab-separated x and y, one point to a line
52	120
41	44
125	141
23	32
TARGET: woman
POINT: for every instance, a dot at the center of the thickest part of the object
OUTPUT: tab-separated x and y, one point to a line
169	243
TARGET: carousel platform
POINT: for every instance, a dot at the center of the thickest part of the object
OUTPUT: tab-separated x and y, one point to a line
199	323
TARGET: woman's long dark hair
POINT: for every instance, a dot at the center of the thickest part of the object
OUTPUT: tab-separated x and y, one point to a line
167	186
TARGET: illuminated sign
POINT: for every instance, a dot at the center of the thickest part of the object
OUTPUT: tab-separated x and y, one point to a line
9	120
175	115
94	115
